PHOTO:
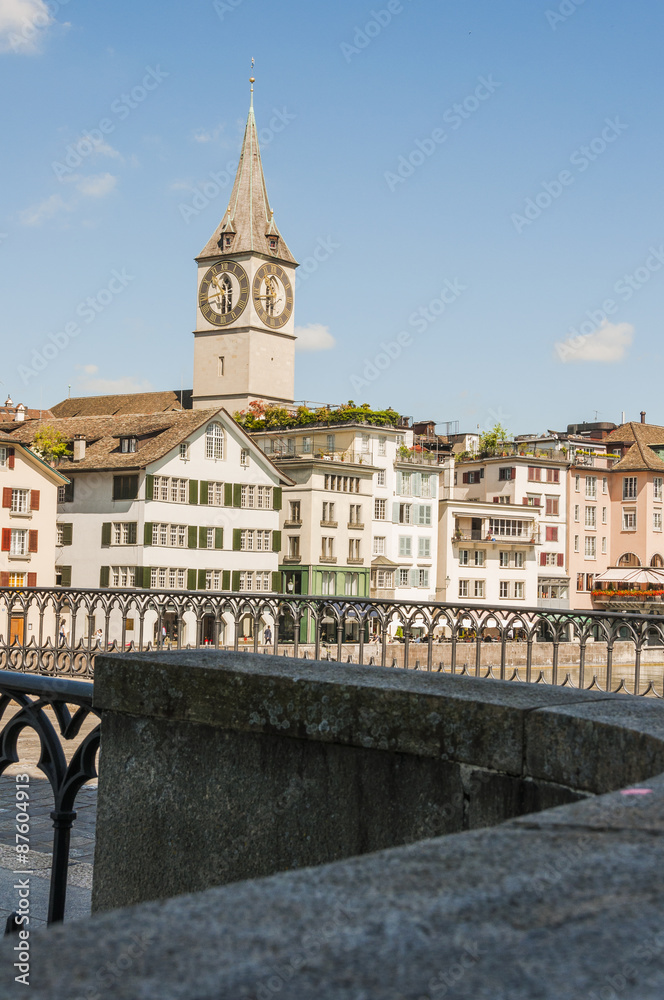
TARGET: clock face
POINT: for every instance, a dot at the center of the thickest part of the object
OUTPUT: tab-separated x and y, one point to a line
223	293
273	295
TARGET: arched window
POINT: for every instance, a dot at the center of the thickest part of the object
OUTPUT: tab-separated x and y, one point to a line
214	441
657	562
629	559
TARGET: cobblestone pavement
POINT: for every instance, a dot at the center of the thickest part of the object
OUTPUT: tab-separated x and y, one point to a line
41	836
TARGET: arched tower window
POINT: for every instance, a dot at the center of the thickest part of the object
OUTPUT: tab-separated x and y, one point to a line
214	441
657	562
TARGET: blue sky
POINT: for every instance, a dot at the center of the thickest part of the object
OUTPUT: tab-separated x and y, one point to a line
473	187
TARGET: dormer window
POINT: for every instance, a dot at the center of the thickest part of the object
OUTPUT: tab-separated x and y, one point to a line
228	241
128	445
273	242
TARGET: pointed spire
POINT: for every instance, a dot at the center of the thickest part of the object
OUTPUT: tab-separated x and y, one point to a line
248	224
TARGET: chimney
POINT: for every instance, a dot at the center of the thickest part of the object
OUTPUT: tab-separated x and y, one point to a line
643	416
79	447
20	412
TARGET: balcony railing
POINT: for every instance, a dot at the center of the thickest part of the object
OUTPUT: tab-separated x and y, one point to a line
529	538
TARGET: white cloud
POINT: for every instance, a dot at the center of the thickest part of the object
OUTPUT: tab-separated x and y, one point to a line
22	25
110	386
314	337
208	135
36	214
94	186
608	344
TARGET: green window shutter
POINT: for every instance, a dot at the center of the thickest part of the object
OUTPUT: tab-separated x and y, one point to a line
204	493
192	540
237	540
67	534
276	498
138	576
132	532
193	491
395	513
237	495
149	487
276	541
226	580
106	534
228	494
202	538
218	538
399	483
201	579
147	533
236	580
276	583
191	579
104	576
65	576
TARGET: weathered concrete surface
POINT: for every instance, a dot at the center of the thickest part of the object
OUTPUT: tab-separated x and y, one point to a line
218	766
547	907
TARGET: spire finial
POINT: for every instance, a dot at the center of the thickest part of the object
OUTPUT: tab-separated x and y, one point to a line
252	81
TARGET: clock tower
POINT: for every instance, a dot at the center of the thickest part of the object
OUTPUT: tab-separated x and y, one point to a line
244	341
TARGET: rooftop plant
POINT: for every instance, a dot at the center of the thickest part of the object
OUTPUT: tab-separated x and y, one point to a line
261	416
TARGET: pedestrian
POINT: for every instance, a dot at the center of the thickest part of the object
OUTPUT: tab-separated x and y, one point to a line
63	632
267	635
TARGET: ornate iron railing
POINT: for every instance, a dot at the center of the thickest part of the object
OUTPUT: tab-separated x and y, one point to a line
36	703
60	631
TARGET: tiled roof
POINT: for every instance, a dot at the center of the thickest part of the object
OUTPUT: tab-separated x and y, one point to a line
248	217
156	435
8	414
648	434
130	402
640	456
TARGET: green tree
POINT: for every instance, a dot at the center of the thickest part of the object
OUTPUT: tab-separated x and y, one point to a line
490	440
49	444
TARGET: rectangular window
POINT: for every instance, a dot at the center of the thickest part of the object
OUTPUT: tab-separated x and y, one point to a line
128	445
580	581
264	497
590	550
577	484
354	548
577	512
244	457
380	477
576	543
379	509
355	514
519	560
125	487
184	450
295	515
503	559
657	487
629	519
603	546
379	545
552	505
463	557
518	590
404	577
553	475
463	588
384	580
551	534
404	513
366	444
591	487
424	514
19	542
505	475
630	487
424	548
20	501
406	484
405	545
507	527
657	520
327	548
604	513
503	589
426	486
423	580
534	474
220	367
479	557
306	445
605	484
330	442
591	517
293	546
382	446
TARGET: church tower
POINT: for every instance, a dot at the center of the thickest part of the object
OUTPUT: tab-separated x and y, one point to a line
244	341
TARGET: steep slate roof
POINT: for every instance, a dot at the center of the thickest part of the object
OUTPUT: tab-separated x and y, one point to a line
248	216
130	402
640	456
